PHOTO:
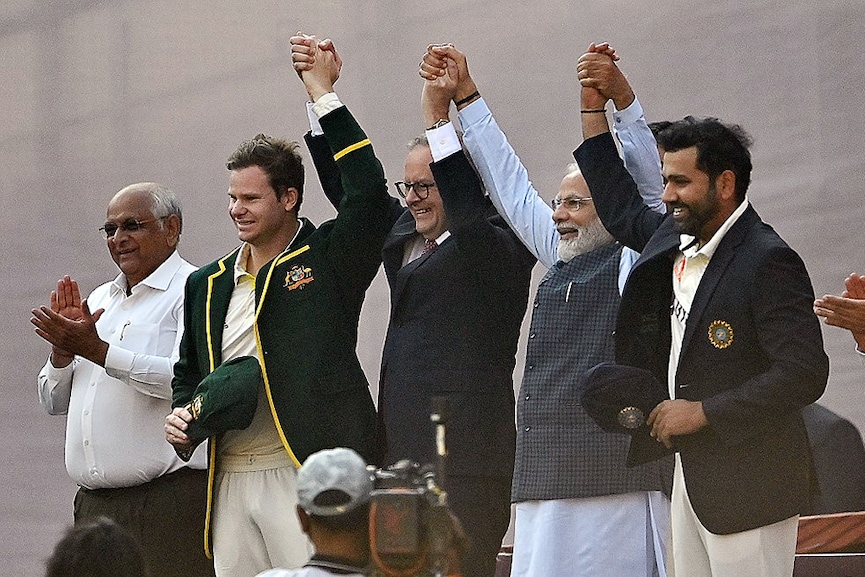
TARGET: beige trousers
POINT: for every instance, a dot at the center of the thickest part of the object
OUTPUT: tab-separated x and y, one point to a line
255	525
767	551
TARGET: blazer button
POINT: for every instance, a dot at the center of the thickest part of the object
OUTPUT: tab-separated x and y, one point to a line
528	429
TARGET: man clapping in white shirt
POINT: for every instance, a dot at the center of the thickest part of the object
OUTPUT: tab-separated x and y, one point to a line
110	372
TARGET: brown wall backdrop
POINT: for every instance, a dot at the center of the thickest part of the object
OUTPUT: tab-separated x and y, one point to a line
97	94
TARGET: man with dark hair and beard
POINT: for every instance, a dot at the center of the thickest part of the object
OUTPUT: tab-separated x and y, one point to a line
579	509
718	307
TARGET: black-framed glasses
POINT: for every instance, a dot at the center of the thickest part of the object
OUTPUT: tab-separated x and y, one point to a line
571	203
109	229
421	189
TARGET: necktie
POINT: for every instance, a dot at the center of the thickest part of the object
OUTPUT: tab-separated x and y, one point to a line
429	246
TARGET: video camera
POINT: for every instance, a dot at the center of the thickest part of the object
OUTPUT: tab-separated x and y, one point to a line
412	532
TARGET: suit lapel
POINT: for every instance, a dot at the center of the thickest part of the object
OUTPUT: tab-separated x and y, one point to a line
715	271
392	254
220	286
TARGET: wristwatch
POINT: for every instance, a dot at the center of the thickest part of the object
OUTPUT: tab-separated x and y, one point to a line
439	123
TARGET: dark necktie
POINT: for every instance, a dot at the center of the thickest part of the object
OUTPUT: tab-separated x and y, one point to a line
429	246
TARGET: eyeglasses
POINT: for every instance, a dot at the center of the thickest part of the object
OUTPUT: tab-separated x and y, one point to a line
571	203
421	189
110	228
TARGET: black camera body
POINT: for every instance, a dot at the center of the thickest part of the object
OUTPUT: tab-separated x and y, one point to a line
412	533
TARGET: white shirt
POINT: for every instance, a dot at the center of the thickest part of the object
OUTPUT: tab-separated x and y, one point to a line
414	249
312	571
114	427
688	271
514	196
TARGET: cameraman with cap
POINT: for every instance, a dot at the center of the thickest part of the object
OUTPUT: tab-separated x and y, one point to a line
333	492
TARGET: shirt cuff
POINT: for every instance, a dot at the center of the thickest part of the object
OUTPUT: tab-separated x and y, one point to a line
443	141
473	113
55	373
314	125
118	362
628	116
326	103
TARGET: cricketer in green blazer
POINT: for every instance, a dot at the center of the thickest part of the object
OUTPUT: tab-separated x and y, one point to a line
308	302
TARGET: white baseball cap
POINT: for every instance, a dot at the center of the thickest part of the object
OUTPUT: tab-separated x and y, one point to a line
339	470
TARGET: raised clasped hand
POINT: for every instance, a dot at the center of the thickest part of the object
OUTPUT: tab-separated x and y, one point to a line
444	64
596	69
316	62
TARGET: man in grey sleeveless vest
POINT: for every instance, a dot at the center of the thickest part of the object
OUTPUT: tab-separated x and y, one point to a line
580	510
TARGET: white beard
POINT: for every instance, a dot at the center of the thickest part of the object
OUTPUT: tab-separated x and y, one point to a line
590	237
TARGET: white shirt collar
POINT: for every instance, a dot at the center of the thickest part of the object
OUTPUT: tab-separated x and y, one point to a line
159	279
240	262
710	247
444	236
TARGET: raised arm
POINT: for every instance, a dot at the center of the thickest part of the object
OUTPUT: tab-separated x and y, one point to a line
504	176
303	58
616	197
487	251
325	166
597	69
365	212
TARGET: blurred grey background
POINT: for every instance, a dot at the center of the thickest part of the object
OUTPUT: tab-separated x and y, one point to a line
97	94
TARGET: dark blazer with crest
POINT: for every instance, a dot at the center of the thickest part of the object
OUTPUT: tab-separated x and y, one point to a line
752	465
308	305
